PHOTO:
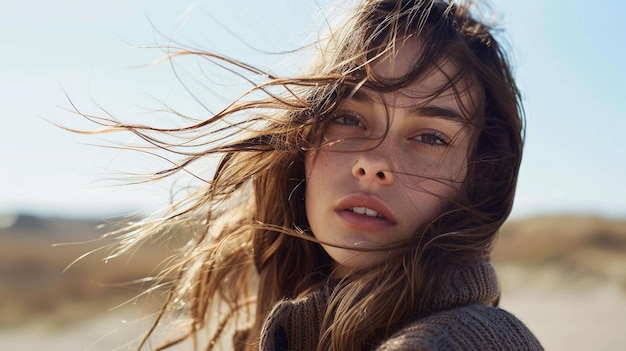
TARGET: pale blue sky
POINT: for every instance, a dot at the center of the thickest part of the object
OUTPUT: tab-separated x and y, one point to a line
569	63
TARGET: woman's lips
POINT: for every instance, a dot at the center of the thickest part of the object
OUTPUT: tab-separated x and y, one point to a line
364	222
365	211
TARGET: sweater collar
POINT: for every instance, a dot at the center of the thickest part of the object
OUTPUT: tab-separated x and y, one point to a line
469	284
300	319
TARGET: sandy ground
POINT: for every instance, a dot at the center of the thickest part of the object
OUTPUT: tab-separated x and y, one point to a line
563	320
570	320
109	331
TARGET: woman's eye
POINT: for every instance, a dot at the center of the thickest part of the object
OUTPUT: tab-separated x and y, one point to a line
348	120
433	139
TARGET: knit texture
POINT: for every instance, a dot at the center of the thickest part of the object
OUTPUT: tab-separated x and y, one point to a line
295	324
463	318
471	327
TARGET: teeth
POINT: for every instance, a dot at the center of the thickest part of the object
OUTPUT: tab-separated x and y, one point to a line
365	211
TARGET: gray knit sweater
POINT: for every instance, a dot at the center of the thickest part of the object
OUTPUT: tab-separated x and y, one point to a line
462	319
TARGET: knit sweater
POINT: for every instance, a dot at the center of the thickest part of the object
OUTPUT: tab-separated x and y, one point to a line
463	318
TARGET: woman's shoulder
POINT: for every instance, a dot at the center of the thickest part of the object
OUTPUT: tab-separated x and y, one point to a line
469	327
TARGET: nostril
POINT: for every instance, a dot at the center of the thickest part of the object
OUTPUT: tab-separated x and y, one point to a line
380	175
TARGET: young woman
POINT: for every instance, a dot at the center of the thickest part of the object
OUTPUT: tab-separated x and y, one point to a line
354	207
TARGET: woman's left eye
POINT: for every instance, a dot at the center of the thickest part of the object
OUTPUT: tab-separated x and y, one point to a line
433	139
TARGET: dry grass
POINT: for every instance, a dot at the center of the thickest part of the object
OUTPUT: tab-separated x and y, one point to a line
36	282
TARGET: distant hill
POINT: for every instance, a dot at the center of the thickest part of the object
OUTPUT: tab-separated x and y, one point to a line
60	227
574	247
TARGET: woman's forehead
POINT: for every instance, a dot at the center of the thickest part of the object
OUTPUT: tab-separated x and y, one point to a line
439	83
400	59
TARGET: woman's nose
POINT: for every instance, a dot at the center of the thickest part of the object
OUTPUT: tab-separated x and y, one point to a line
373	168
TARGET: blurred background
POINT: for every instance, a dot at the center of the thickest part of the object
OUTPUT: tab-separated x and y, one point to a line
561	258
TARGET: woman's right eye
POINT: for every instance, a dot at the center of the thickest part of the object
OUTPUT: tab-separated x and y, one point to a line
348	120
346	125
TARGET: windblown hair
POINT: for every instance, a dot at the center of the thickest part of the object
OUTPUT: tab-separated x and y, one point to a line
251	244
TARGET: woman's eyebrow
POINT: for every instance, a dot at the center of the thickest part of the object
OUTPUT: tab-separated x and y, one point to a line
360	96
438	112
417	110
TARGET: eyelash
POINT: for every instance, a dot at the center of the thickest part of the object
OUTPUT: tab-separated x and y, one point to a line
440	139
344	116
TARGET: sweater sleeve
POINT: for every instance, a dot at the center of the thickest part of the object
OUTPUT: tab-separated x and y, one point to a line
466	328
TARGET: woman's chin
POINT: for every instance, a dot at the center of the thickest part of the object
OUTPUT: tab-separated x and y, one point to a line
348	261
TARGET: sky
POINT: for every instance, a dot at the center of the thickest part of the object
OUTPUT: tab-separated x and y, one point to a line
569	62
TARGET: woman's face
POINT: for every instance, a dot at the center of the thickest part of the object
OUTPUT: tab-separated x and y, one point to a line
395	159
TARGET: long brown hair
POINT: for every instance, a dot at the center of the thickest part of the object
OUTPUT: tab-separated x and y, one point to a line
251	245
